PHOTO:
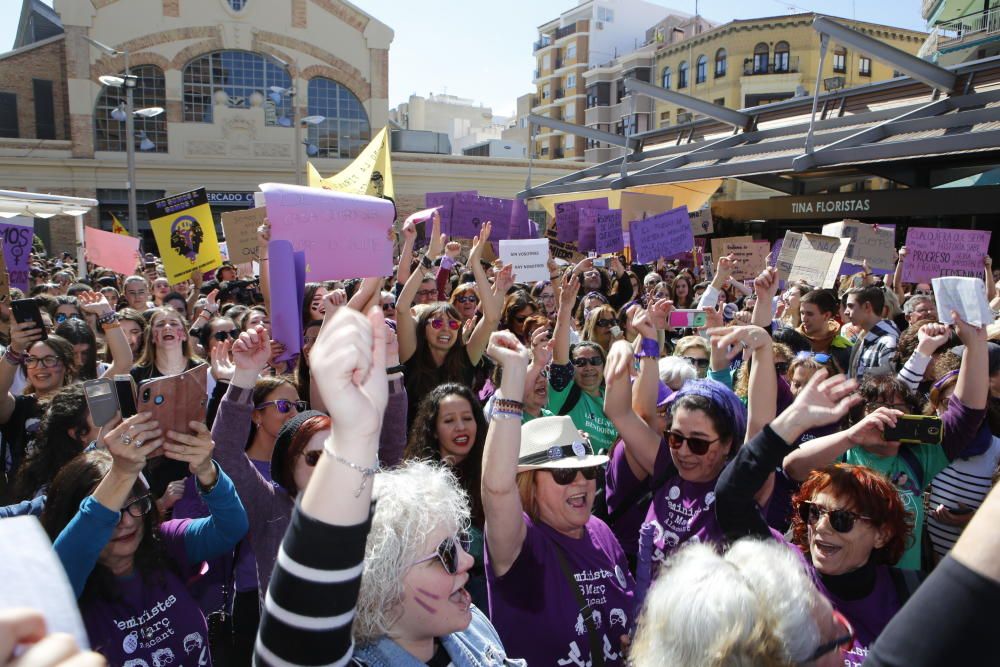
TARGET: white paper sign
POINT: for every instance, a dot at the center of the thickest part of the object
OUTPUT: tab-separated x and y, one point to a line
965	296
529	257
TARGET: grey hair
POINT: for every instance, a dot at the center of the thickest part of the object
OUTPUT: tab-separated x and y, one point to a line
675	371
752	607
911	304
891	303
411	501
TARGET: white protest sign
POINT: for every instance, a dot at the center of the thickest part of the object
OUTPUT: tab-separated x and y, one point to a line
871	242
701	222
812	258
965	296
529	257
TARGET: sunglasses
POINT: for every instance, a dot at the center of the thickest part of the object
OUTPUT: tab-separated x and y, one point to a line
139	507
581	362
781	367
312	457
842	521
697	363
467	298
284	406
62	317
437	323
565	476
698	446
223	335
605	322
519	319
388	306
448	553
844	642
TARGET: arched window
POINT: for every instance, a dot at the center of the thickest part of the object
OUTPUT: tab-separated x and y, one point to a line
781	59
701	69
720	63
109	114
682	74
345	131
240	79
761	55
666	77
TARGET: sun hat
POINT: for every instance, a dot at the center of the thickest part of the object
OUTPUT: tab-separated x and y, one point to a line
555	442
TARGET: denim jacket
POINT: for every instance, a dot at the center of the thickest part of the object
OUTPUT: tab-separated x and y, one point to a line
476	646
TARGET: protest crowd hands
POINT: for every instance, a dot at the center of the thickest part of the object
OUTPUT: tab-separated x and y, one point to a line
93	302
195	449
23	335
507	351
132	441
931	337
26	629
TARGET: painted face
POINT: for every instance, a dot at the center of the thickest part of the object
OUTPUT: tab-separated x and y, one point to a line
443	337
269	418
564	508
302	471
814	321
694	467
42	377
456	428
316	308
587	375
133	332
168	331
835	553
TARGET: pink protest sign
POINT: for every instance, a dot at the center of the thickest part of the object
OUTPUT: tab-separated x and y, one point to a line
343	235
933	253
419	220
608	232
111	251
662	235
568	220
445	200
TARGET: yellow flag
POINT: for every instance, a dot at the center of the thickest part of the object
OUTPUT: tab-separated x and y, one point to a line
117	227
369	174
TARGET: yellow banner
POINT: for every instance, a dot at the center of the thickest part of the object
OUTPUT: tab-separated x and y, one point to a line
369	174
185	234
117	227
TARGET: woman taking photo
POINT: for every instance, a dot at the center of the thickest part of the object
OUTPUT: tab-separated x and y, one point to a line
389	589
129	571
548	557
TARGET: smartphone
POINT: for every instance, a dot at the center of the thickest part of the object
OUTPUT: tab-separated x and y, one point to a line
600	262
683	319
101	400
27	310
918	429
125	393
961	511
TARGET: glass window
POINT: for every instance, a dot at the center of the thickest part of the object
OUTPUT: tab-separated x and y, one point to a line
605	14
720	63
237	5
761	54
238	75
8	115
346	131
840	59
546	61
781	60
682	74
109	113
571	52
666	77
865	66
701	69
571	81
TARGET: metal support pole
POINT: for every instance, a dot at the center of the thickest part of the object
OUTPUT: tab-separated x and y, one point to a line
824	42
133	216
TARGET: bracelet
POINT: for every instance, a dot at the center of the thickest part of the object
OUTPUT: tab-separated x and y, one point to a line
107	318
650	349
205	491
366	473
392	370
426	262
113	325
12	357
505	408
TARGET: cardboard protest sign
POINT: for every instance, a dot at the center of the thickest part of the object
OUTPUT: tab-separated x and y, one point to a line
694	256
814	258
639	206
608	232
568	220
701	222
931	253
662	235
876	243
185	234
530	258
17	235
965	296
343	235
111	251
240	228
751	255
563	251
444	200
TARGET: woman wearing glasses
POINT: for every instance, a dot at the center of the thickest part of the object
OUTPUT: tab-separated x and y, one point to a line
388	588
465	299
518	306
544	292
560	588
599	325
130	572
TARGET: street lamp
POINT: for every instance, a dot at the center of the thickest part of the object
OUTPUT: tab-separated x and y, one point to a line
276	95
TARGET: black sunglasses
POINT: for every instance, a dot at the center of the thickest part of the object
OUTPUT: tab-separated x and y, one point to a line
312	457
698	446
580	362
697	363
447	552
565	476
842	521
222	335
781	367
284	405
605	322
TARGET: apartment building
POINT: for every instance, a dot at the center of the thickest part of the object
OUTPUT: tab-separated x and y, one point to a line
961	30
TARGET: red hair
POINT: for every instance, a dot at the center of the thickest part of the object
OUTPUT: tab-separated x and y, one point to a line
866	492
303	435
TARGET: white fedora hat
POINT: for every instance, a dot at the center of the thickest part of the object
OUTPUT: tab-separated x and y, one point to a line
555	442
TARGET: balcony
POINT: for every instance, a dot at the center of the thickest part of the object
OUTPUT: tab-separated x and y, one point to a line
564	31
968	29
558	154
560	93
753	67
542	43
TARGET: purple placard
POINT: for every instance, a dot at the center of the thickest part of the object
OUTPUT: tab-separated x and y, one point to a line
567	217
933	253
662	235
343	235
520	223
608	232
587	230
445	200
468	213
286	305
17	239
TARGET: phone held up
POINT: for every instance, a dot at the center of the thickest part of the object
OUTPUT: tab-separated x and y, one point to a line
685	319
915	429
27	310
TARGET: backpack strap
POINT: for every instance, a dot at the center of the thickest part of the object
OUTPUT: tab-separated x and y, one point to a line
572	398
906	453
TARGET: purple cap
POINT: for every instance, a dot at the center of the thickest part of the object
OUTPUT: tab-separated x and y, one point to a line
663	394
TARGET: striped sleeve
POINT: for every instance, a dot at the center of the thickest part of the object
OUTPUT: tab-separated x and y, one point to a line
311	600
912	372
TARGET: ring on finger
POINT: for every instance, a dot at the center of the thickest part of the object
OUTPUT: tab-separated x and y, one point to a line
126	439
138	442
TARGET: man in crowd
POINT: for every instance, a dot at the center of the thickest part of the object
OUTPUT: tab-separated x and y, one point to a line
876	344
817	311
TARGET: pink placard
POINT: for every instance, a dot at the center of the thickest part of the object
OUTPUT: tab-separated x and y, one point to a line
343	235
111	251
933	253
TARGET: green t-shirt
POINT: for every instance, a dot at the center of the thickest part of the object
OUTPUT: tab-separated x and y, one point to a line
932	459
588	415
525	417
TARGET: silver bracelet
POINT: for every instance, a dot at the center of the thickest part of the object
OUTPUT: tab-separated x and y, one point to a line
366	473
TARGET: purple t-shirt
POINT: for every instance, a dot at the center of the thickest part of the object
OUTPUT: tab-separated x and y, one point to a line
537	614
868	615
155	623
621	483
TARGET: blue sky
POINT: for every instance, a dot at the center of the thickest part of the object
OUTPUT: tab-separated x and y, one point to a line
482	50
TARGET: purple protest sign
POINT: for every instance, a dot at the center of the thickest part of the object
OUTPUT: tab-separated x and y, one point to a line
445	200
568	220
587	230
286	306
468	213
17	238
933	253
520	223
343	235
662	235
608	232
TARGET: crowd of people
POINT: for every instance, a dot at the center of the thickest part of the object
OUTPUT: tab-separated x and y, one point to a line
462	468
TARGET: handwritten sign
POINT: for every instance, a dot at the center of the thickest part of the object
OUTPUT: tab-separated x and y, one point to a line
185	234
662	235
608	232
469	212
445	201
568	217
701	222
529	257
639	206
965	296
17	235
813	258
111	251
876	243
240	228
932	253
750	254
343	235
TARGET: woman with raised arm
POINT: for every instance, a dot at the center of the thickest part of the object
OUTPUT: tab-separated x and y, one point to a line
559	582
403	529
